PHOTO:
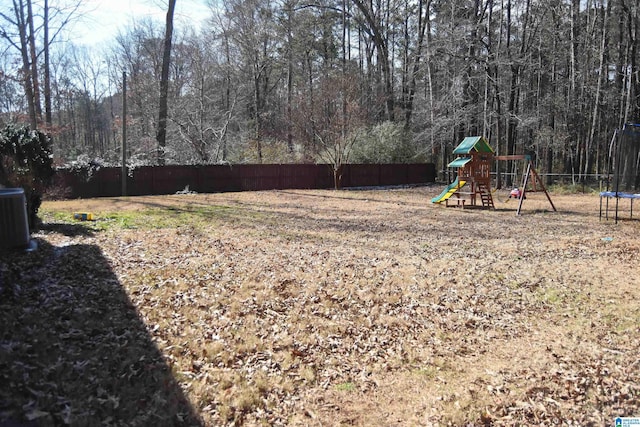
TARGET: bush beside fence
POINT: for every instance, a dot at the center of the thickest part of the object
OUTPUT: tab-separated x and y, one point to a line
150	180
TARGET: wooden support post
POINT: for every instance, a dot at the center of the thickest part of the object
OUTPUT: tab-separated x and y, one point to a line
523	193
123	169
537	177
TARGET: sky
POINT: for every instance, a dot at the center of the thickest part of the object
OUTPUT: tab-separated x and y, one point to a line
102	19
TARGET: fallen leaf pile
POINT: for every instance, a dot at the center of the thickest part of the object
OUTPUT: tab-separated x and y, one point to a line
322	308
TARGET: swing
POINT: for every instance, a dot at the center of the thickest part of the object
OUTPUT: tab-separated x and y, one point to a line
494	191
516	192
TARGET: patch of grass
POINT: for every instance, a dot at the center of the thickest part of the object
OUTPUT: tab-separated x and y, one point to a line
429	372
550	296
348	386
122	220
621	322
194	217
308	374
56	216
574	189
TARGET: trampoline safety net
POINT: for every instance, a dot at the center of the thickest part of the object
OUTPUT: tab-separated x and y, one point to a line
625	168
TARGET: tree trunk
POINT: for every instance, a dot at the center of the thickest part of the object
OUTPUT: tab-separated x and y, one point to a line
423	24
379	38
163	110
634	41
289	78
34	62
27	82
596	102
47	69
256	113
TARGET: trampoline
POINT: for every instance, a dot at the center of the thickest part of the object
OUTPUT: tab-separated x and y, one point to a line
616	195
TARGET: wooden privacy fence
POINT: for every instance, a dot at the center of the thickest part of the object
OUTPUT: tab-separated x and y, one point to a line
149	180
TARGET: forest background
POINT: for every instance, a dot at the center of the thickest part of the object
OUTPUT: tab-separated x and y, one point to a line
300	81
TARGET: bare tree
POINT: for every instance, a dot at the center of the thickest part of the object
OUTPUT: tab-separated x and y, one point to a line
207	106
252	32
21	32
337	118
139	52
20	21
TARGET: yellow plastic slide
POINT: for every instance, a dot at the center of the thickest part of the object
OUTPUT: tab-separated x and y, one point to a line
448	192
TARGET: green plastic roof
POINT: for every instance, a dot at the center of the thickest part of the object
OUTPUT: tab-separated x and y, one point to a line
459	162
473	143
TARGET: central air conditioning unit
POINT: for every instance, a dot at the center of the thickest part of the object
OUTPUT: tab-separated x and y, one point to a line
14	225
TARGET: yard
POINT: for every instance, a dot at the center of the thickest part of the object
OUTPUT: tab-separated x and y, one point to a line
322	308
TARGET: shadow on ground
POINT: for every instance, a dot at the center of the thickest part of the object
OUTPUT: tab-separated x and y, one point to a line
69	230
73	350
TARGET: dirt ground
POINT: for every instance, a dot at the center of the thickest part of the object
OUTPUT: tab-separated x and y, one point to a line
327	308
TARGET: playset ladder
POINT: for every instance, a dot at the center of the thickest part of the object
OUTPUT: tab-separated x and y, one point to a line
485	196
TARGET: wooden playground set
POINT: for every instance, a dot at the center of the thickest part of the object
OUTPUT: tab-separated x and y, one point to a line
472	186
